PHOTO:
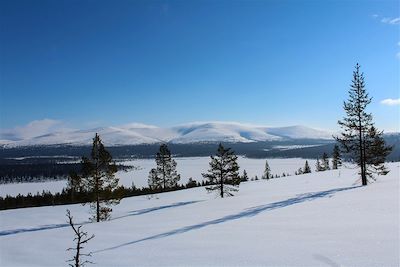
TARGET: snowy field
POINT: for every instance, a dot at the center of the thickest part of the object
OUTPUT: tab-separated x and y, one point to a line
318	219
187	167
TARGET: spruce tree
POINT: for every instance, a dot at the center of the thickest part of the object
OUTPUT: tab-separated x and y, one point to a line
318	166
376	152
356	123
223	174
359	139
164	175
244	177
98	179
306	168
267	171
325	162
336	158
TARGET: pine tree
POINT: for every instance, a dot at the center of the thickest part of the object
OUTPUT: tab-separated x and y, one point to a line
164	175
376	152
357	123
325	162
336	159
318	166
267	171
224	172
154	180
306	168
81	238
244	177
98	178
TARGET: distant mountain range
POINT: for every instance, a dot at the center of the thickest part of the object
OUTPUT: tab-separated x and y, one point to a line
137	134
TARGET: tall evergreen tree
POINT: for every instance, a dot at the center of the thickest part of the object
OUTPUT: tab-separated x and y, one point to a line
306	168
336	158
98	178
164	175
376	152
267	171
224	172
325	162
356	126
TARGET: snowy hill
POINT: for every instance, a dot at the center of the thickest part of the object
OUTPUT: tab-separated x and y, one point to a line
133	134
318	219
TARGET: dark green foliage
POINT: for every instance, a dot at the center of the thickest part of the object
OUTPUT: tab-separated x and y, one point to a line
356	127
376	152
98	178
224	172
191	183
306	168
336	158
244	177
49	199
164	175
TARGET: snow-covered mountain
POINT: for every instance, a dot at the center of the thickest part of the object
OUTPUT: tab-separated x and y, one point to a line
134	134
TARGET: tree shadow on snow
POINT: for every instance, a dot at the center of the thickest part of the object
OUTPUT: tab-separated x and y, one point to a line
148	210
55	226
250	212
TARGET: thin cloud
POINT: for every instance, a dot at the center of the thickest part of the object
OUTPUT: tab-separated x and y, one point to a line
33	129
393	21
391	102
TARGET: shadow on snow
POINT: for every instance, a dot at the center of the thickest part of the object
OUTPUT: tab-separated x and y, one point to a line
250	212
55	226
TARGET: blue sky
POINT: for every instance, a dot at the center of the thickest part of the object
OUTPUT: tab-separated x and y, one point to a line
90	63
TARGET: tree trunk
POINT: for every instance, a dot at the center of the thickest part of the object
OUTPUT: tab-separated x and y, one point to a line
363	176
78	246
97	201
222	184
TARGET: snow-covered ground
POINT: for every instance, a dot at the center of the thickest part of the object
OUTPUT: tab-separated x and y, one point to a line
187	167
318	219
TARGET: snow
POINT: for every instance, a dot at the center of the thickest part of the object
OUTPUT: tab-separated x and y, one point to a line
188	167
318	219
136	133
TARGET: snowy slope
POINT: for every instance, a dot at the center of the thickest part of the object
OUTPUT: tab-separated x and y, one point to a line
132	134
318	219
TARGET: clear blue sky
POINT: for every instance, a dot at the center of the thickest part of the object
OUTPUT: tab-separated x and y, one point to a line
170	62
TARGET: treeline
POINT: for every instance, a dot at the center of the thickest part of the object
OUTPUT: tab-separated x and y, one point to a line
68	196
19	173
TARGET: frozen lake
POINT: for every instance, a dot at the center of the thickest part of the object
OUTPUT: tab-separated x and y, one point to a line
191	167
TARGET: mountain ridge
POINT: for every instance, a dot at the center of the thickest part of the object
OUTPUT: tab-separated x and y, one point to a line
137	133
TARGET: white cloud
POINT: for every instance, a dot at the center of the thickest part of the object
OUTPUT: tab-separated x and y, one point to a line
375	16
391	102
33	129
392	21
